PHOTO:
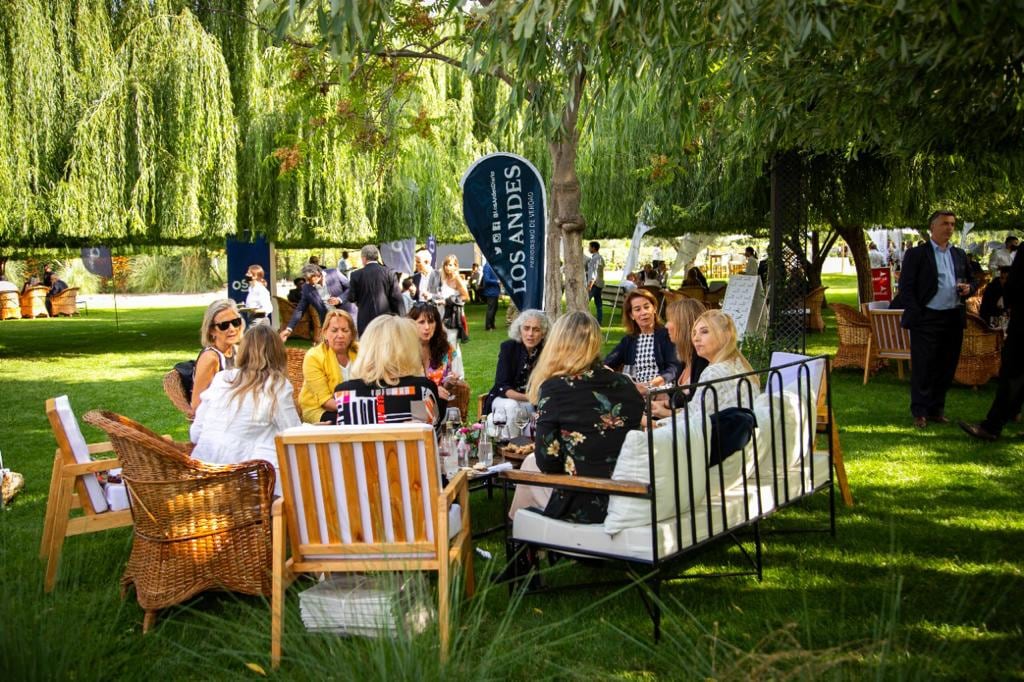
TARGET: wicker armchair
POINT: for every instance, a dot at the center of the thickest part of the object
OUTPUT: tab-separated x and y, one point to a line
65	303
33	302
854	330
197	526
308	326
10	305
295	358
813	302
980	355
175	392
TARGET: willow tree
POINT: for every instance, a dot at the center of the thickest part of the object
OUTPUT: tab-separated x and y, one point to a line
555	57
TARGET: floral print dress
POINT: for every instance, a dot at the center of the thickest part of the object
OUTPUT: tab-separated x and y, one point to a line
581	423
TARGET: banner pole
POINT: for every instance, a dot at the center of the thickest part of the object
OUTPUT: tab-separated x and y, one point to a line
608	328
117	324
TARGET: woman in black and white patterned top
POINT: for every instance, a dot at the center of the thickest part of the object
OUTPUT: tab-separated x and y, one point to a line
646	353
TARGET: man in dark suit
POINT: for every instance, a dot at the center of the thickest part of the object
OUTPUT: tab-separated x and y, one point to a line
374	289
934	281
1010	394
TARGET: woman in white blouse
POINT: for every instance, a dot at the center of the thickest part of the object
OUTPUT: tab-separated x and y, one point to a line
257	301
245	407
714	339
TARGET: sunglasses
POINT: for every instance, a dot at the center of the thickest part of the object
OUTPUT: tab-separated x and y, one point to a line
223	326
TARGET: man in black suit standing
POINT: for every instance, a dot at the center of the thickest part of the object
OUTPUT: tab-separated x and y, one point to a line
1010	393
373	288
934	281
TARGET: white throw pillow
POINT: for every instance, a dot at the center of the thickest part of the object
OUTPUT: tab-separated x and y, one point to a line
633	465
80	449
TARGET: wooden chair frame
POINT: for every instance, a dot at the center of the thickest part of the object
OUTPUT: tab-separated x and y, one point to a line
67	492
366	498
888	339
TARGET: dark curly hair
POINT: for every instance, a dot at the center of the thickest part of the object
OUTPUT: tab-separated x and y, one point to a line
439	341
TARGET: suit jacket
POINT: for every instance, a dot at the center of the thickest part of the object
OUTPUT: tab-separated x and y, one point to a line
665	356
375	292
1013	298
919	281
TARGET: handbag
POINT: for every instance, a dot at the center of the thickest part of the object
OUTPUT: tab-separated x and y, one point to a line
731	430
187	371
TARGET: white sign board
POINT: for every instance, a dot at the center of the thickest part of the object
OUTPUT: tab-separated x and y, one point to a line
745	303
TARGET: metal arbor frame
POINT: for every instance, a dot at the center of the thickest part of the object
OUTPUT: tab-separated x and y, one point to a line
787	277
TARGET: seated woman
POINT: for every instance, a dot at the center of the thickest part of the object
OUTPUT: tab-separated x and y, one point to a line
583	413
681	316
245	407
389	368
258	299
714	339
695	278
516	359
646	354
326	365
314	294
442	363
222	330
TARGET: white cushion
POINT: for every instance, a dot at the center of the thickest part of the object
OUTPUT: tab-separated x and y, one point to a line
633	465
80	450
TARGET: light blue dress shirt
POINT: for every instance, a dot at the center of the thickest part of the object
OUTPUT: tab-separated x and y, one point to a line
946	296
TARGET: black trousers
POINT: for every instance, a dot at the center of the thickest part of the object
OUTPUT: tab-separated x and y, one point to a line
934	352
595	293
1010	393
492	310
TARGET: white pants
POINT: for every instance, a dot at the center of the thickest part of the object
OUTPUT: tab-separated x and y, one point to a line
510	407
529	495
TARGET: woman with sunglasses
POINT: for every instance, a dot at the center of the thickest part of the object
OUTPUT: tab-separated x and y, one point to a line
222	330
442	363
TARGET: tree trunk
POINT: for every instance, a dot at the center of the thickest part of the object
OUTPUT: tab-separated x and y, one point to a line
566	221
853	235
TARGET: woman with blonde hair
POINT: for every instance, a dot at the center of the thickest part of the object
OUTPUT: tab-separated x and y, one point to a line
246	406
221	331
326	365
681	315
389	369
583	413
646	353
714	339
446	280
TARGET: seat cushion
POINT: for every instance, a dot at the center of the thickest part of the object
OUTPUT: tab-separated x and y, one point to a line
80	450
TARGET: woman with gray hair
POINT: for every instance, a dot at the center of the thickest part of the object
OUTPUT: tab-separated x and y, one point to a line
313	294
221	331
516	359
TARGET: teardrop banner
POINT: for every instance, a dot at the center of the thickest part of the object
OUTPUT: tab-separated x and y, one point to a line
505	207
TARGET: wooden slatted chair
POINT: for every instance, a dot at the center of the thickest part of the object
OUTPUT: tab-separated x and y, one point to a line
980	355
175	392
197	526
65	303
367	498
888	339
73	485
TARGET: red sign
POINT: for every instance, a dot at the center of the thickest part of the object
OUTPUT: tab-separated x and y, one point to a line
881	283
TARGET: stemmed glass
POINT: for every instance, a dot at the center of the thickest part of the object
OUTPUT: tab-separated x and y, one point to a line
521	419
499	419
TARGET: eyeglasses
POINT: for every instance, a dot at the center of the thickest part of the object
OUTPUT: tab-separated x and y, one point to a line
223	326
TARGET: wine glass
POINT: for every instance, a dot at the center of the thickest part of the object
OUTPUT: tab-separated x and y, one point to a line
453	416
521	419
499	418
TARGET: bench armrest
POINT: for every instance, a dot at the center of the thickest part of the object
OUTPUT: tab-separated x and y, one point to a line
578	483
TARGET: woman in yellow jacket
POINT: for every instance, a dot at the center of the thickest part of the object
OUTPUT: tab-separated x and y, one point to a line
325	366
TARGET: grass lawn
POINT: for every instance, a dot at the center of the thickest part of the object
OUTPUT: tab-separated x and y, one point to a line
924	578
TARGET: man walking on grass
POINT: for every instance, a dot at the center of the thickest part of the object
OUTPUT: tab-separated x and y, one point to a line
595	280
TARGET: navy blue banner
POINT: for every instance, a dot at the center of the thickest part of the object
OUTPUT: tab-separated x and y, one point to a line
97	260
241	254
505	206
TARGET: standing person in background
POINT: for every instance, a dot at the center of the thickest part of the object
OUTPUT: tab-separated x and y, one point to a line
258	299
343	265
875	257
595	280
422	270
490	288
1004	256
934	282
373	289
750	264
475	275
1010	393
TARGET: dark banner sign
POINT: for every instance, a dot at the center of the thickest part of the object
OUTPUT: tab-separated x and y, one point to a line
97	260
504	204
241	254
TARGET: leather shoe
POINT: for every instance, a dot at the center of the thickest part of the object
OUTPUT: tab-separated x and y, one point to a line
941	419
920	422
977	431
